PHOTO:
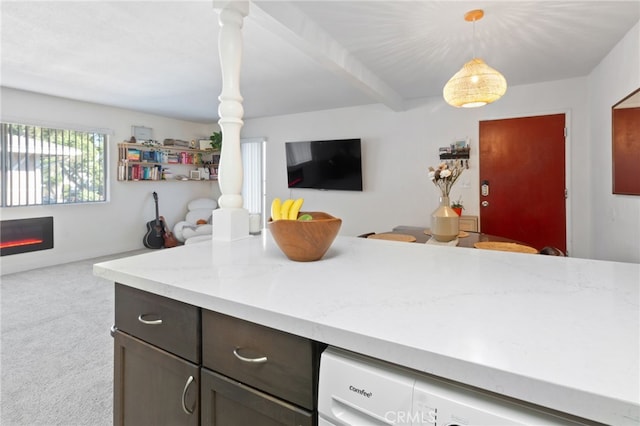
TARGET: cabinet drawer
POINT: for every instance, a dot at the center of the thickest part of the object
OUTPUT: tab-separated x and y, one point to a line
275	362
168	324
229	403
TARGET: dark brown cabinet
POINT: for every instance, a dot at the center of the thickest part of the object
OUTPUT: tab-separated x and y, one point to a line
152	386
272	361
168	324
228	402
177	364
156	360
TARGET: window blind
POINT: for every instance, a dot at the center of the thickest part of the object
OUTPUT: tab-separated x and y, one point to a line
253	183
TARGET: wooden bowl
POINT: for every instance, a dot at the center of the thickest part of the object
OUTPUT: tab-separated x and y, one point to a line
305	241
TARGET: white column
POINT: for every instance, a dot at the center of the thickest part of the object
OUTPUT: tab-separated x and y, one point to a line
230	221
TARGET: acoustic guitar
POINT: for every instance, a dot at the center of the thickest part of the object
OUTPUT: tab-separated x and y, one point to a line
154	238
169	239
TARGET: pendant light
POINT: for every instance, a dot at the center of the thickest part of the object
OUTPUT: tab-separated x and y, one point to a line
476	84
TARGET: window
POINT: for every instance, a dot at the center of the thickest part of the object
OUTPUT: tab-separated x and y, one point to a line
253	182
42	166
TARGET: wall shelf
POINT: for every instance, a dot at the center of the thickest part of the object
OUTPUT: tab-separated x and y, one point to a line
455	154
137	162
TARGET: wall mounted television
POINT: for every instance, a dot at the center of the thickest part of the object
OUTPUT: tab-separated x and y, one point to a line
325	164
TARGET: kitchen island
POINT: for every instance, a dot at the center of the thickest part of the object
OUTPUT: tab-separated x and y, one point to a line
557	332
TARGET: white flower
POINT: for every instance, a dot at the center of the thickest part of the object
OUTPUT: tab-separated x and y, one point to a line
445	176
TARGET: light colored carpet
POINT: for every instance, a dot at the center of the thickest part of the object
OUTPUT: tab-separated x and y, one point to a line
56	352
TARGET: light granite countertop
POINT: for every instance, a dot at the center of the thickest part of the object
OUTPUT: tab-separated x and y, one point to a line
563	333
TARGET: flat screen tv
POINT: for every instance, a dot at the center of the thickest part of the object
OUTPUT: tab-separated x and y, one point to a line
325	164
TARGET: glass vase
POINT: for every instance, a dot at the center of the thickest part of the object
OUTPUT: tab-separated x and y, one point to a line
444	222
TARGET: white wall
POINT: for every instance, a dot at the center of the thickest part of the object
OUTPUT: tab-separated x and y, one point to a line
86	231
398	147
616	218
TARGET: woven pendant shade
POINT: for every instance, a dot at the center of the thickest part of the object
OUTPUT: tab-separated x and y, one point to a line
475	85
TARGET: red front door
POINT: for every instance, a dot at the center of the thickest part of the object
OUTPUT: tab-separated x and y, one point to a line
522	168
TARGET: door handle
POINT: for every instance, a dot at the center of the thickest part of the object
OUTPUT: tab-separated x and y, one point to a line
259	360
485	203
184	395
142	319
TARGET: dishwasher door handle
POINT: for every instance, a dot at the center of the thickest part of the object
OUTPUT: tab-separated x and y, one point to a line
351	414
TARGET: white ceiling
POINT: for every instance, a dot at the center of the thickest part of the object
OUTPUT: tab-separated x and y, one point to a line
161	57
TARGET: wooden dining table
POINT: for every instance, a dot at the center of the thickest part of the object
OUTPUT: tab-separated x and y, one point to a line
465	238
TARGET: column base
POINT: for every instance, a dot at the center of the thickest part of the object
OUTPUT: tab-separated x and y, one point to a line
230	224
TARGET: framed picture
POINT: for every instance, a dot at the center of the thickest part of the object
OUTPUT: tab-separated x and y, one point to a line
204	144
194	175
141	133
460	143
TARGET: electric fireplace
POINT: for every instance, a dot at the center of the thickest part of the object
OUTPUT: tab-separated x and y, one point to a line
26	235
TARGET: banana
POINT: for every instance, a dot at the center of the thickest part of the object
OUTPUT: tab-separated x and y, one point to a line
276	209
295	209
286	206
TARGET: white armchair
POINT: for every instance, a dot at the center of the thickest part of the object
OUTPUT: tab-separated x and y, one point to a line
197	223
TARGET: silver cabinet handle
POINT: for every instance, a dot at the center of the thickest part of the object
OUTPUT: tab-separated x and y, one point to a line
149	322
260	360
184	395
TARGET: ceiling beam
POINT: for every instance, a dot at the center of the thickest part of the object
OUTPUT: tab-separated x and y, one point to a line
292	25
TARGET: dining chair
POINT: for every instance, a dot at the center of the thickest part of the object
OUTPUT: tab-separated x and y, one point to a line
366	235
551	251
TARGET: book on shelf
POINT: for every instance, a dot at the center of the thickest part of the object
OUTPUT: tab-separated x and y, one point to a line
152	156
140	172
133	154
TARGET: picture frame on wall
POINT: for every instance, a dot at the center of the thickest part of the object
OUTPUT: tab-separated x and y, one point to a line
141	133
204	145
460	144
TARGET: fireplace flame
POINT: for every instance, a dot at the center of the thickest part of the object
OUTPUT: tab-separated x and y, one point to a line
19	243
